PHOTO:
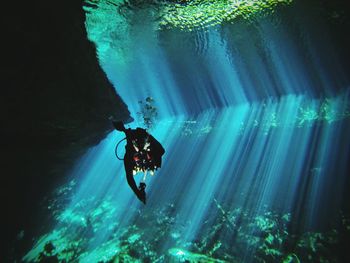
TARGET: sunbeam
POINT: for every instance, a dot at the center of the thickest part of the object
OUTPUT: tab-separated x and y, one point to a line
255	122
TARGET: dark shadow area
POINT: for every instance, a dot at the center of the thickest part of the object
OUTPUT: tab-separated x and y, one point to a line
55	104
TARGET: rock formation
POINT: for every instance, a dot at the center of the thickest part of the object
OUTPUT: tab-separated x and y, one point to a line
55	104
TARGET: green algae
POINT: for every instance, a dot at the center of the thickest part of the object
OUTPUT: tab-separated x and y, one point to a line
265	236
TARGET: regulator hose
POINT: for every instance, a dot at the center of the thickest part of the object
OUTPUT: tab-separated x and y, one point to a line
116	149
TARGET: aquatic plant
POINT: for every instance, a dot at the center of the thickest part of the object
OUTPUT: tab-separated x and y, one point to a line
224	234
306	113
327	110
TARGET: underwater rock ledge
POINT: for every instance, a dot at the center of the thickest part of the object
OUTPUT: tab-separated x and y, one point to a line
55	104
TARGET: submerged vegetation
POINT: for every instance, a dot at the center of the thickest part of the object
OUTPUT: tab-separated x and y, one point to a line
308	113
88	232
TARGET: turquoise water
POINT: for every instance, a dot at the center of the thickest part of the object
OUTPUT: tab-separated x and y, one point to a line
254	117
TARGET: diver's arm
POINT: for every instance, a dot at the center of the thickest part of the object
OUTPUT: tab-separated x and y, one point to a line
119	126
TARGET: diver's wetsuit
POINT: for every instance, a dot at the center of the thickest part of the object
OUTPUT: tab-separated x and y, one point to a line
151	160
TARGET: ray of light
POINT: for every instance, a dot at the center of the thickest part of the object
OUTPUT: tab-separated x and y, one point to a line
248	127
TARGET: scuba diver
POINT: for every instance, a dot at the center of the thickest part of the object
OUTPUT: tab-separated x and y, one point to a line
143	153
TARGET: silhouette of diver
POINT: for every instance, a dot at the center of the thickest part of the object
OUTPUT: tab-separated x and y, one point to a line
142	153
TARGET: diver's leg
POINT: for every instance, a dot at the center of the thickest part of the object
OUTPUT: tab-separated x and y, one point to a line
142	185
141	195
